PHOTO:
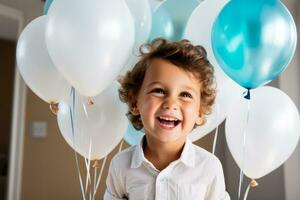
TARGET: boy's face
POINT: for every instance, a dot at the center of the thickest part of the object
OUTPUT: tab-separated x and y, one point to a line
168	102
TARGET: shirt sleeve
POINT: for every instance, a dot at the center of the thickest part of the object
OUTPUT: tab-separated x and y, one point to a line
217	189
114	187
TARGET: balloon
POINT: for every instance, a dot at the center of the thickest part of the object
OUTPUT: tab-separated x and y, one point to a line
162	25
47	5
140	9
271	135
141	12
169	20
254	41
227	93
99	126
154	4
90	41
199	26
36	66
198	31
132	136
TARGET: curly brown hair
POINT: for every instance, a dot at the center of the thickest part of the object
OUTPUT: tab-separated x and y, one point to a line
184	55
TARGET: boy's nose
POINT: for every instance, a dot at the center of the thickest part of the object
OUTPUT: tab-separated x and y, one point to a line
170	104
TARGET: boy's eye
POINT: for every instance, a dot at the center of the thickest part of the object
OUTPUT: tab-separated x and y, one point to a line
158	90
186	94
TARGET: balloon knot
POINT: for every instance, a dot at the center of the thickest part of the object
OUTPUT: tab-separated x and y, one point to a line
247	96
253	183
54	107
96	164
90	101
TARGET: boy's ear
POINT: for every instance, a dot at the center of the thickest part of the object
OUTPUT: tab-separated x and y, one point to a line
133	108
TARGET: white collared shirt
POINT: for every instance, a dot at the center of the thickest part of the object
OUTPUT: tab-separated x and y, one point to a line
196	175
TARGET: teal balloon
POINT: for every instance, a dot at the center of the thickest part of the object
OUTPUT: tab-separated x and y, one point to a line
47	5
170	19
132	136
254	40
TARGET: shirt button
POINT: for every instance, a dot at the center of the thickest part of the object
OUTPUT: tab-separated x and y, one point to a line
163	180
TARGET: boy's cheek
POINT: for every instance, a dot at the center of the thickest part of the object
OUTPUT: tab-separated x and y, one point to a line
150	102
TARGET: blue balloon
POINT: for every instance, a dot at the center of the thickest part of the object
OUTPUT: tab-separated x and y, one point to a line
162	25
133	136
47	5
254	40
170	19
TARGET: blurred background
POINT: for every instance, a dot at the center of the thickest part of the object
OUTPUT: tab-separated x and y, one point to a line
35	161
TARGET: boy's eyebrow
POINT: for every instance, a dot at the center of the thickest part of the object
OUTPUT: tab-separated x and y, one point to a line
185	87
190	88
153	83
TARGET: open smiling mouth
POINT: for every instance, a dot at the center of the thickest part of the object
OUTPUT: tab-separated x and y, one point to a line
168	122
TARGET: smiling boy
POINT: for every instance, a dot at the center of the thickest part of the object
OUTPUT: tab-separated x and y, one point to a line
168	92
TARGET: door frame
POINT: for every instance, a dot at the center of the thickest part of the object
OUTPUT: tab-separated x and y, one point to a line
18	117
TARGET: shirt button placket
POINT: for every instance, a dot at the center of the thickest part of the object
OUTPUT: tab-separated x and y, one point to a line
162	188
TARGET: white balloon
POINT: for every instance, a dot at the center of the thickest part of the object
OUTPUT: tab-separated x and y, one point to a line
90	41
98	128
227	92
141	12
142	16
199	26
271	135
198	31
36	66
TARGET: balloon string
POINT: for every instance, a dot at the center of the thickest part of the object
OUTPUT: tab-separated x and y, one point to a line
247	191
248	97
95	175
102	168
88	166
217	130
252	184
88	178
100	174
88	160
215	140
240	183
72	115
121	145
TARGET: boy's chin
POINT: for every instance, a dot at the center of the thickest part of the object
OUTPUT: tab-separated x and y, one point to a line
169	137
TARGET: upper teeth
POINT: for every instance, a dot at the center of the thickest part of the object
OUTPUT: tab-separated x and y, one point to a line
169	119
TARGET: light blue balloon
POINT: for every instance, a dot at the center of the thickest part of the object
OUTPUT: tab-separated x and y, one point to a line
254	40
133	136
162	25
170	19
47	5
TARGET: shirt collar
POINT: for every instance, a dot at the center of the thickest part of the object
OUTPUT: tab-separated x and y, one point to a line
187	156
138	154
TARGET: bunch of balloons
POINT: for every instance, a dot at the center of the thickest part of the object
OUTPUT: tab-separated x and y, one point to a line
253	42
249	43
86	44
